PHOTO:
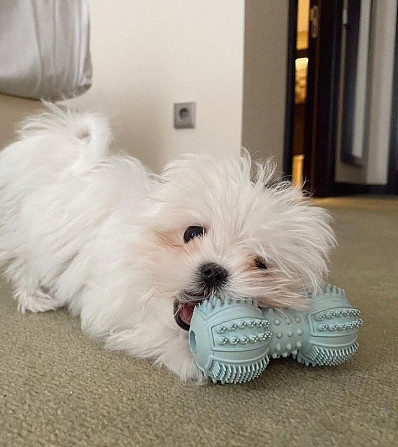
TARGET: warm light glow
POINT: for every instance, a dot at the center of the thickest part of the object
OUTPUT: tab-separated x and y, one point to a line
301	63
301	80
303	20
297	170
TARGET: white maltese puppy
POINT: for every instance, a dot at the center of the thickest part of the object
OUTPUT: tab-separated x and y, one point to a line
132	252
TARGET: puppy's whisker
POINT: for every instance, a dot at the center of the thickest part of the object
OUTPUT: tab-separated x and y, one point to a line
147	296
154	286
145	299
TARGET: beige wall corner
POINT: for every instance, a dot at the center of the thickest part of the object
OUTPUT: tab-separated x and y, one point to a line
12	112
264	92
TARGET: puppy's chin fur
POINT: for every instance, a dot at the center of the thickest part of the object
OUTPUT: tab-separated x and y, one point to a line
95	231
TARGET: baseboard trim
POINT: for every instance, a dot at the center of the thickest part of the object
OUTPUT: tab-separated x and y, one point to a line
347	189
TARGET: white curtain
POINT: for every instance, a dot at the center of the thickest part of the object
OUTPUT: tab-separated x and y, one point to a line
44	48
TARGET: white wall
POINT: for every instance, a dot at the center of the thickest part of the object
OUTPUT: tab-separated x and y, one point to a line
266	27
148	54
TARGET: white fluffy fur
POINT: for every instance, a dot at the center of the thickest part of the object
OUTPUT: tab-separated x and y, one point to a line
95	231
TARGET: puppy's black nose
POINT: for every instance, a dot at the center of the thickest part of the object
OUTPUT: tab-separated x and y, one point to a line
212	274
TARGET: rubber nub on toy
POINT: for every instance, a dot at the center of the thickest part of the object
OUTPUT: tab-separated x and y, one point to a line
228	373
327	356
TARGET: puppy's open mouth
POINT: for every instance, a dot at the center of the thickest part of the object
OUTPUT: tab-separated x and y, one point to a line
183	313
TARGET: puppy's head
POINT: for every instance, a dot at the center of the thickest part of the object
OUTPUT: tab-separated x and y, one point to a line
227	227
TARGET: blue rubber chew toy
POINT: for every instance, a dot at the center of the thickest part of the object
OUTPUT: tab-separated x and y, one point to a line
232	341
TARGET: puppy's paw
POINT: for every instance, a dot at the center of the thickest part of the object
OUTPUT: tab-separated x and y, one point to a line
186	369
173	352
38	301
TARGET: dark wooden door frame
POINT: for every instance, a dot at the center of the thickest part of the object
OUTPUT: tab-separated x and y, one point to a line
322	105
322	97
290	88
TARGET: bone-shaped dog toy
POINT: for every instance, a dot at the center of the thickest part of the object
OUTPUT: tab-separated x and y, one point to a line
232	341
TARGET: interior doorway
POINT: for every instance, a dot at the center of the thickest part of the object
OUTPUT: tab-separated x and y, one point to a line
339	73
300	89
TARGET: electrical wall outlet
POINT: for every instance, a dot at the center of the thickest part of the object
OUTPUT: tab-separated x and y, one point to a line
184	115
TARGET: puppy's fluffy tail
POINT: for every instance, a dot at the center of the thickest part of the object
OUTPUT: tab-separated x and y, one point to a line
88	133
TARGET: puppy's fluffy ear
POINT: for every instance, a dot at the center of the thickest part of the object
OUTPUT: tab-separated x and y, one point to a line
301	236
178	197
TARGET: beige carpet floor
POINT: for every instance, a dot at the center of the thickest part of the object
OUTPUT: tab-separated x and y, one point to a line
58	388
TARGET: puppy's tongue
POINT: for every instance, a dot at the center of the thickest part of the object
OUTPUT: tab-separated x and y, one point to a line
186	311
183	313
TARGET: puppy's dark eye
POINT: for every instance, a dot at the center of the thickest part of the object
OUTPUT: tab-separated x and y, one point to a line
192	232
260	263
